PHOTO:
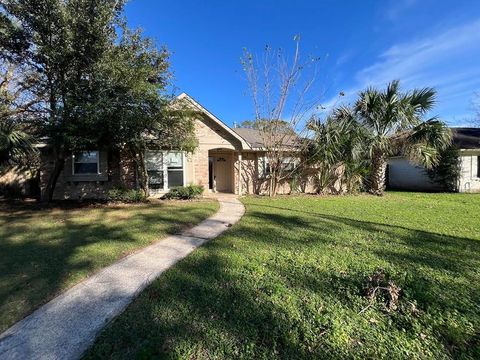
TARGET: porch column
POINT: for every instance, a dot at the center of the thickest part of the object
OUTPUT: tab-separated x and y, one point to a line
240	173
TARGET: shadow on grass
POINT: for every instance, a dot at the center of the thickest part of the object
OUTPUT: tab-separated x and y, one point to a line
439	251
266	290
45	250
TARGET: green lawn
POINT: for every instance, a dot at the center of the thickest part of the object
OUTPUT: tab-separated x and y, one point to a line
46	250
317	277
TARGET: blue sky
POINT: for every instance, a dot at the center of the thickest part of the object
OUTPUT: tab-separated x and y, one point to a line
370	42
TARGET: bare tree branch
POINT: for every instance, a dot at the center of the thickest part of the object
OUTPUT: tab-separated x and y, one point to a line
281	90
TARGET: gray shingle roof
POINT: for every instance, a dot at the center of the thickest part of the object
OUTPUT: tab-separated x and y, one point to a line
255	139
252	136
466	138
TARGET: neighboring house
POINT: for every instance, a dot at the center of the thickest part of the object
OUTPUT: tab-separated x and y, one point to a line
226	160
404	175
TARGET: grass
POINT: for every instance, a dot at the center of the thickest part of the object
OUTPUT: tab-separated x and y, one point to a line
46	250
294	279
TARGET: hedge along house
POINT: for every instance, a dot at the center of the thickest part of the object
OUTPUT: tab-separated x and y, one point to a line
404	175
226	160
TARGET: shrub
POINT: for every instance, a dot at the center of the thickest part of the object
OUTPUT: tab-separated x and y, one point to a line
447	172
126	195
12	191
184	192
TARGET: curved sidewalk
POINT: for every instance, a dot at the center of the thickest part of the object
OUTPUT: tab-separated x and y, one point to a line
66	327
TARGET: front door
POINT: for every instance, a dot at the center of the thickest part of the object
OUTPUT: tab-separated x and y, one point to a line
211	162
223	172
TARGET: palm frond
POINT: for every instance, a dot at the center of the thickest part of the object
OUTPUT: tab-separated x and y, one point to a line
422	100
370	107
15	144
391	93
425	142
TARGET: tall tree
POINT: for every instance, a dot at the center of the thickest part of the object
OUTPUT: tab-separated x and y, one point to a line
104	84
284	93
131	110
17	108
394	121
63	41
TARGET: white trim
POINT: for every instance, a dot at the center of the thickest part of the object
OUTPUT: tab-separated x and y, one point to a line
474	165
184	161
165	172
164	167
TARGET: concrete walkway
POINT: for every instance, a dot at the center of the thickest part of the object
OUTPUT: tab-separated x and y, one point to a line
66	327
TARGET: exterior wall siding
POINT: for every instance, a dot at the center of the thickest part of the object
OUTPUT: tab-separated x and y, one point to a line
115	171
404	175
469	179
253	183
210	137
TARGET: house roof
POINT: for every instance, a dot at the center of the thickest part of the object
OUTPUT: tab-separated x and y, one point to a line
185	96
255	139
466	138
252	136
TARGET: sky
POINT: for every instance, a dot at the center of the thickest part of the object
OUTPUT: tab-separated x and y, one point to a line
423	43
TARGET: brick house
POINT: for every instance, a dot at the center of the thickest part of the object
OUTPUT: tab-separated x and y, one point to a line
226	160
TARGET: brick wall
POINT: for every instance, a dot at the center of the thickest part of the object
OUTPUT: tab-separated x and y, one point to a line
116	170
200	166
210	136
253	184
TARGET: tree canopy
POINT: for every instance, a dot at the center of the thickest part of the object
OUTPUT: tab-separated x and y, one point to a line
102	84
394	122
354	142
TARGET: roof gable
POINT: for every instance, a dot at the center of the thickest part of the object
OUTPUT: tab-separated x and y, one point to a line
221	124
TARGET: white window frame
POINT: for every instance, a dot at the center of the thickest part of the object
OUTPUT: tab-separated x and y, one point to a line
264	165
289	161
97	158
477	168
165	168
162	169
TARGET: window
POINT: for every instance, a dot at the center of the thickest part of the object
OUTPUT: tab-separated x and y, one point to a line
86	162
263	167
174	162
288	164
154	165
478	166
165	169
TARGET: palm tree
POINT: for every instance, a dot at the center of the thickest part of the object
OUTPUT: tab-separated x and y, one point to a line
336	151
394	124
15	144
18	105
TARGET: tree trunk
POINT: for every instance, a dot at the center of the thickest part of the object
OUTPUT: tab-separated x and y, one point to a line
377	178
47	195
273	183
275	186
144	173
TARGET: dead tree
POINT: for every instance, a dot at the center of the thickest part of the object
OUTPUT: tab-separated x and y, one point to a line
285	95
